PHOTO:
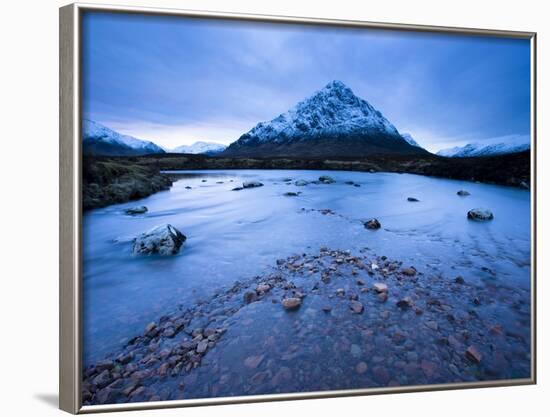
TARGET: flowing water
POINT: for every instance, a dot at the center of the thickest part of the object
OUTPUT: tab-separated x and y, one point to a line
236	235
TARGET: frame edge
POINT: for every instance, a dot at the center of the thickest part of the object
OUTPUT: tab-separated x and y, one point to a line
68	314
70	209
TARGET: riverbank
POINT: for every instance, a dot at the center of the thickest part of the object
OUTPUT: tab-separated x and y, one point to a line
337	320
118	180
111	180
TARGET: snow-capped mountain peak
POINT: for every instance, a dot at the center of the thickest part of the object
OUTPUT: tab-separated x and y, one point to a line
99	139
333	110
209	148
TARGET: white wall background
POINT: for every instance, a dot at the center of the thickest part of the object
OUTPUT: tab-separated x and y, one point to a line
28	209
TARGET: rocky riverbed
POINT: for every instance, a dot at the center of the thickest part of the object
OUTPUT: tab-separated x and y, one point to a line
323	320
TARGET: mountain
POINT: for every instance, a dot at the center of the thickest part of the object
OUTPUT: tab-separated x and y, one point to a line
207	148
333	122
410	140
513	144
100	140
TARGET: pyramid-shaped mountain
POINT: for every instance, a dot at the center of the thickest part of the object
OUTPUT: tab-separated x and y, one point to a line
333	122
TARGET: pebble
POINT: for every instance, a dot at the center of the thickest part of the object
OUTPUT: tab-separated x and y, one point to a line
250	296
380	287
473	354
356	307
410	272
252	362
459	280
202	346
291	303
361	368
405	303
432	325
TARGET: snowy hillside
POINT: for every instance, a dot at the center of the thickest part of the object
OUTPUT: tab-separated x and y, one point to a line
100	140
511	144
410	140
208	148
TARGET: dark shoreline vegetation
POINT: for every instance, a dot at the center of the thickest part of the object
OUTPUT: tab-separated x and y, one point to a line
380	322
112	180
107	181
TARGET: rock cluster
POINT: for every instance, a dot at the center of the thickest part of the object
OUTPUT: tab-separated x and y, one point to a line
381	324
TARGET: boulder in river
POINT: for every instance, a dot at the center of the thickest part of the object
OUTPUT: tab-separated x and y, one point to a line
136	210
325	179
372	224
291	194
237	189
301	183
480	214
413	199
463	193
163	240
252	184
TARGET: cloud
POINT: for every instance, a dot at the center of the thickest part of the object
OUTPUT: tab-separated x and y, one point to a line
175	80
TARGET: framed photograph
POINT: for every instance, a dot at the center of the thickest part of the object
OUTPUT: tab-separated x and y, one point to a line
260	208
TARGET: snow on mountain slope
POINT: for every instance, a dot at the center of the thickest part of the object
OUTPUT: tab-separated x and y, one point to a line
332	122
410	140
504	145
99	139
208	148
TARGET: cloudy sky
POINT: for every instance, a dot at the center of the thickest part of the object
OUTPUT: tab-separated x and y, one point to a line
177	80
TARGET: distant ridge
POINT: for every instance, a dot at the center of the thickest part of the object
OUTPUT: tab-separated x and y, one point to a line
511	144
206	148
98	139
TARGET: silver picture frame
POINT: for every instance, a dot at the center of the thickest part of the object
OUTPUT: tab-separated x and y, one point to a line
70	213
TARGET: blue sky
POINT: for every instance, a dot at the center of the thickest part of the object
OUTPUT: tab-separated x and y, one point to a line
177	80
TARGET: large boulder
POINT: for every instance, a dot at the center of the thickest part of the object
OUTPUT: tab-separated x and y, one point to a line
136	210
252	184
301	183
325	179
163	240
372	224
480	214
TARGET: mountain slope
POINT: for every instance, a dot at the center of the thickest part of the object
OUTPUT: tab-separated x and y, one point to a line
332	122
100	140
513	145
410	140
206	148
